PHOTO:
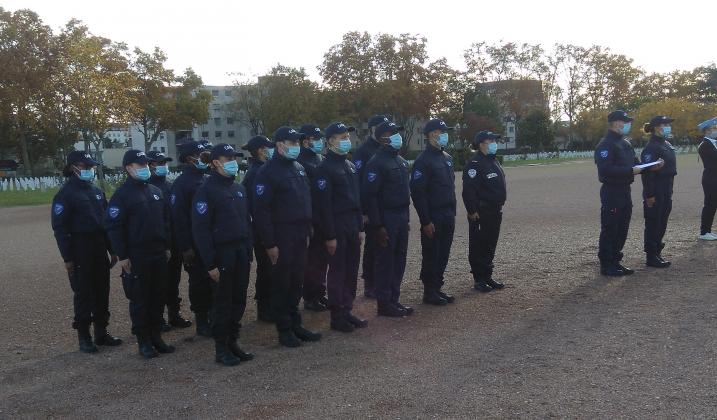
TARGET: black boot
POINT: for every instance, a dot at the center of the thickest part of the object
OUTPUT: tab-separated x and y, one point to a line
447	297
305	335
664	260
85	339
407	309
103	338
389	310
202	323
356	321
482	286
222	354
341	323
314	305
494	284
159	344
288	339
628	271
433	298
176	320
145	346
653	260
611	270
233	345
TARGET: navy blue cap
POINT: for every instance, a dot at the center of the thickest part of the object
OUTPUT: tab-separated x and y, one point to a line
707	124
257	142
660	119
311	131
436	124
78	156
376	120
485	135
206	143
223	149
190	148
287	133
618	115
387	127
134	156
338	128
158	157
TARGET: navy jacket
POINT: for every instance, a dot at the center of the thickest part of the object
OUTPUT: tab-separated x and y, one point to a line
615	157
654	182
386	184
183	190
249	180
361	157
220	217
708	154
138	221
310	161
338	201
433	186
483	183
282	199
78	208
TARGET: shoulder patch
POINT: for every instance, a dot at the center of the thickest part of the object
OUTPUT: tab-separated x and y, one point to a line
491	175
113	212
417	174
647	157
240	194
202	207
371	176
603	153
302	173
58	208
358	164
172	199
156	197
472	173
260	188
449	163
321	183
99	196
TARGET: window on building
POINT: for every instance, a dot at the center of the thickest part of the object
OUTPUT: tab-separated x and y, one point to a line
230	133
511	129
163	150
230	121
227	93
215	93
217	107
218	134
217	121
205	134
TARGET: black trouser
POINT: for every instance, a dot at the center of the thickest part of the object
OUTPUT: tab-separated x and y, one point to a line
90	281
200	288
287	275
390	261
615	215
145	287
174	275
316	266
709	186
483	240
263	275
343	266
435	252
233	262
368	266
656	217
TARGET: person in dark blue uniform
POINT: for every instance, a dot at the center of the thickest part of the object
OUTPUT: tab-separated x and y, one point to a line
260	148
78	222
615	159
222	232
433	190
338	207
361	156
282	216
657	188
388	198
708	153
484	194
316	264
183	189
138	227
159	168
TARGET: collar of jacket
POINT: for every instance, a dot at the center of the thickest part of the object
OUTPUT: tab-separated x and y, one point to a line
132	181
190	167
75	180
433	149
613	135
657	138
388	149
221	179
335	156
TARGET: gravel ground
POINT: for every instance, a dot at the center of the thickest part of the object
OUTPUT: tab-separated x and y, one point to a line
559	341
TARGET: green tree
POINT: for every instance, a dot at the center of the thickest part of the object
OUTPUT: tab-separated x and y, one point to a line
535	130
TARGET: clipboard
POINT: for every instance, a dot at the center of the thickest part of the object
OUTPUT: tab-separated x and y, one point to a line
647	165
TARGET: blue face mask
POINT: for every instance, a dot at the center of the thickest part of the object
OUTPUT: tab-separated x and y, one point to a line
492	148
292	152
443	139
87	175
161	170
396	141
666	131
626	129
344	146
201	165
317	146
231	167
270	153
142	174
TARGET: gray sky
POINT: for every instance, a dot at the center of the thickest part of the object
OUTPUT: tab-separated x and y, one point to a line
218	37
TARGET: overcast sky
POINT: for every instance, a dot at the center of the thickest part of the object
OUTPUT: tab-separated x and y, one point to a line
219	37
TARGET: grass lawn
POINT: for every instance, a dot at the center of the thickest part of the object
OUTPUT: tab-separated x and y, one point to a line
26	198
